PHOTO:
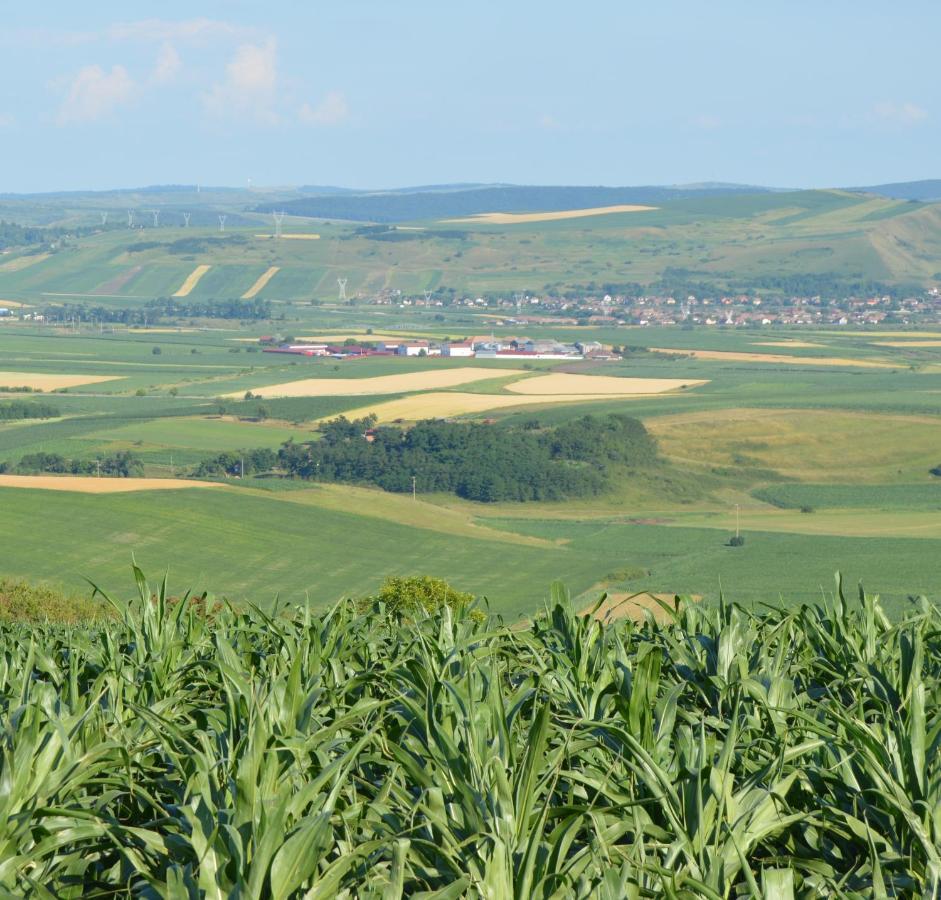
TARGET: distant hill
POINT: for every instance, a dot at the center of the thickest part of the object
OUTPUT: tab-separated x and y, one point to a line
442	202
926	191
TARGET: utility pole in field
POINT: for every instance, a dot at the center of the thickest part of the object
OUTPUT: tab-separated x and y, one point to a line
413	488
737	508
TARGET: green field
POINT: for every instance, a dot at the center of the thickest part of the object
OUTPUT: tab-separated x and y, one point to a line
852	443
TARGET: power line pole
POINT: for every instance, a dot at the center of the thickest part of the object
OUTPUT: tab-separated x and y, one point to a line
736	519
413	488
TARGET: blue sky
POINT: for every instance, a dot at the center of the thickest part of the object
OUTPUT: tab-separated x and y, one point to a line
364	93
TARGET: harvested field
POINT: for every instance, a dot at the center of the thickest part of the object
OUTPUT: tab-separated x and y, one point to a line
260	282
440	405
578	385
290	237
796	344
23	262
778	358
13	304
40	382
888	334
88	484
383	384
907	343
192	280
504	218
114	285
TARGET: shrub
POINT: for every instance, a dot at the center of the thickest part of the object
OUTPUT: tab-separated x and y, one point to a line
409	595
737	540
21	601
156	351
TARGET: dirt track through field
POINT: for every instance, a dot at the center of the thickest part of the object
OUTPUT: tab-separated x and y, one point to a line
504	218
558	383
46	382
260	282
383	384
778	358
623	605
89	484
192	280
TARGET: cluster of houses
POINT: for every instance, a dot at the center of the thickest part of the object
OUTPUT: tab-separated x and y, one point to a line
482	347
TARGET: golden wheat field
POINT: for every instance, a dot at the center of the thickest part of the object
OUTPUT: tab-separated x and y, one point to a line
88	484
13	304
443	404
505	218
907	343
579	385
260	282
381	384
192	280
38	381
741	356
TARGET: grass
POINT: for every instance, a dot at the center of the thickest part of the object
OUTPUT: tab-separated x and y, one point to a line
901	497
188	749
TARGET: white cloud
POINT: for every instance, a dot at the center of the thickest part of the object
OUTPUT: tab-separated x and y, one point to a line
92	93
167	65
332	110
157	30
250	85
907	113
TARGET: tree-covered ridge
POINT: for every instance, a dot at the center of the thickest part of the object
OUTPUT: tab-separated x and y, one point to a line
475	461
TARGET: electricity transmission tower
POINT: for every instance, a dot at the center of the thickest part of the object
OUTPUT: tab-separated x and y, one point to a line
342	285
222	223
186	220
278	219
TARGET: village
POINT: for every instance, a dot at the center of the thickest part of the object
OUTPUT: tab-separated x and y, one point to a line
689	309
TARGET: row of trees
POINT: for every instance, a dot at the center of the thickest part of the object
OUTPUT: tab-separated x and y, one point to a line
163	308
117	465
478	462
17	409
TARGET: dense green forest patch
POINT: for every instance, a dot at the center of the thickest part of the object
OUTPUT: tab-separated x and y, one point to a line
477	462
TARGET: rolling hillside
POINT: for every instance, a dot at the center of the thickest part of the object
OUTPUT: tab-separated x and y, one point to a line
794	241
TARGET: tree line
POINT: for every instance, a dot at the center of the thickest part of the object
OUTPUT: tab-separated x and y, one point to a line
163	308
17	409
122	464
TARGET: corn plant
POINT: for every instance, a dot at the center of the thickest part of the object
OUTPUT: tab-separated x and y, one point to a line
188	749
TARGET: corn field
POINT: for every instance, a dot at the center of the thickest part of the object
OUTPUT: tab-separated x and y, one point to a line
727	753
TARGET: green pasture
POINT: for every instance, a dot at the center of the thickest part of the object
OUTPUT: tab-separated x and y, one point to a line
246	546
